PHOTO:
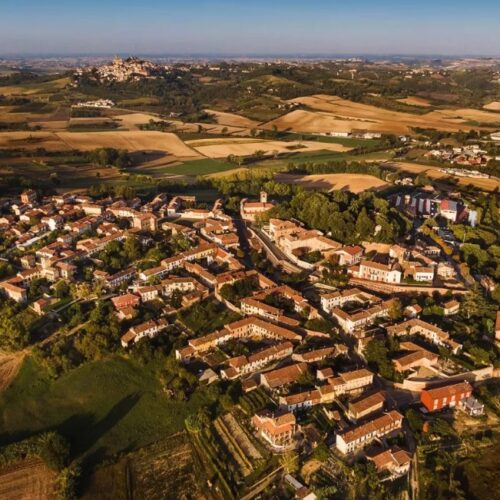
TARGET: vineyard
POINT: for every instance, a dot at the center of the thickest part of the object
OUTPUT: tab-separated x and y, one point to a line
231	457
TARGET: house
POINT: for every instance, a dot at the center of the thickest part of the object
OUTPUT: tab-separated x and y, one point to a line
125	301
471	406
147	293
349	255
447	396
29	197
277	429
250	210
300	401
361	435
376	271
366	405
346	382
283	376
451	307
412	311
14	291
147	329
414	357
394	462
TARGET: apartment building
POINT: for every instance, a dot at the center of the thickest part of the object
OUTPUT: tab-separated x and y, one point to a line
361	435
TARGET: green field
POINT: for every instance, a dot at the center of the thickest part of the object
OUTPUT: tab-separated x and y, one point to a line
200	167
103	408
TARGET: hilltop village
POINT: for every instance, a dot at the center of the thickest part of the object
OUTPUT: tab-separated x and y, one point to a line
364	356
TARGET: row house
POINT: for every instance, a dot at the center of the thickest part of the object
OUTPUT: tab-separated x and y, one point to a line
116	279
148	329
352	381
154	272
432	333
205	276
242	365
361	435
366	405
250	327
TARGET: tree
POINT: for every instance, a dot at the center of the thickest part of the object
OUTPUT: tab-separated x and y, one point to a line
61	289
290	462
364	225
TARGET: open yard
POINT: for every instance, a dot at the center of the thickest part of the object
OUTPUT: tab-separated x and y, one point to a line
356	183
28	479
330	113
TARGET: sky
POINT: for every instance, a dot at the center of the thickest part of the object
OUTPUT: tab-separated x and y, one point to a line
238	27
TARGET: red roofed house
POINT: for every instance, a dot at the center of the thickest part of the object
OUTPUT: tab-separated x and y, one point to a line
277	430
448	396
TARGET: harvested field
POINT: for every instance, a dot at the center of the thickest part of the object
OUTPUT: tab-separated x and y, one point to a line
32	140
133	120
87	141
9	367
336	114
28	479
238	147
465	114
415	101
356	183
232	119
486	184
492	106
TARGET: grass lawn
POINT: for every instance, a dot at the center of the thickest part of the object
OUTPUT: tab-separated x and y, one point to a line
207	316
200	167
105	407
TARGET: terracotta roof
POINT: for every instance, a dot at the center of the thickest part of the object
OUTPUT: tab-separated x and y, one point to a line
375	425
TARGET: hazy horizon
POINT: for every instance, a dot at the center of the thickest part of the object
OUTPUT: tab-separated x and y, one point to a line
261	28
